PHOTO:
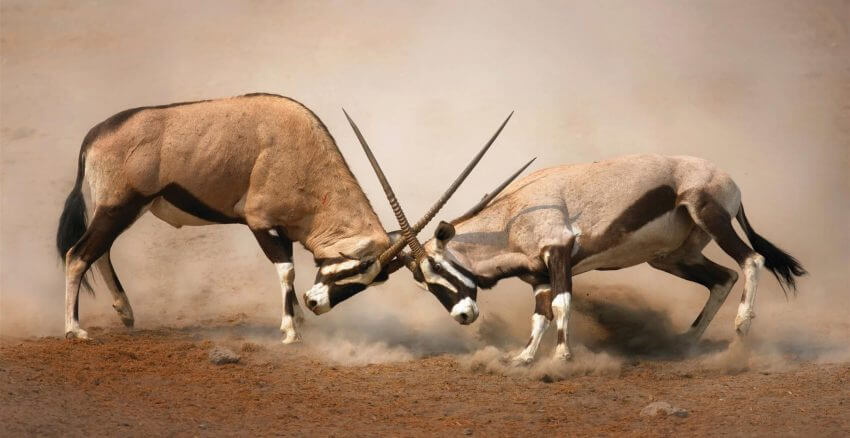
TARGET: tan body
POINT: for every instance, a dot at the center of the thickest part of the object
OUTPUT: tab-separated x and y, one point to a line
261	160
566	220
532	214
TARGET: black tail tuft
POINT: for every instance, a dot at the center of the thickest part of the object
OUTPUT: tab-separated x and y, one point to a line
72	223
783	266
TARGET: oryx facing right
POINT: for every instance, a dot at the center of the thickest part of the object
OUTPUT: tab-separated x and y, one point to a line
562	221
261	160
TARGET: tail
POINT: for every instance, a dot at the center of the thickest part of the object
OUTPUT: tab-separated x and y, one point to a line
72	223
783	266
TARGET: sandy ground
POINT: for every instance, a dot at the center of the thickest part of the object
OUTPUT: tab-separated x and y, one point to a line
758	87
160	382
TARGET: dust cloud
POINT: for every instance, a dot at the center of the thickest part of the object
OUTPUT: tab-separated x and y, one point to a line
760	88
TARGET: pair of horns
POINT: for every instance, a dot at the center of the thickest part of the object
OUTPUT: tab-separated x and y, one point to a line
409	233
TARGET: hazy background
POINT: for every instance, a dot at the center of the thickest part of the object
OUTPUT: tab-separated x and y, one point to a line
762	88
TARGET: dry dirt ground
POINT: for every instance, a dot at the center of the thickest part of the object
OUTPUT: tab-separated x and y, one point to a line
160	382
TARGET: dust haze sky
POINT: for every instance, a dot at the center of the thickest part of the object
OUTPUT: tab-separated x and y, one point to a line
761	88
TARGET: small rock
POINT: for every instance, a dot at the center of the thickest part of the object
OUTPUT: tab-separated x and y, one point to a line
467	431
221	356
662	408
547	378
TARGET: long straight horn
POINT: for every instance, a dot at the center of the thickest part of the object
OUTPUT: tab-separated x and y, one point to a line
489	197
409	237
443	199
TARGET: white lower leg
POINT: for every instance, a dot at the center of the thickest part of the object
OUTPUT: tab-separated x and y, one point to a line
539	324
561	311
743	320
73	276
286	274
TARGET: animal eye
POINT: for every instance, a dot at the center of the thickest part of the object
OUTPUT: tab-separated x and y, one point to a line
365	265
436	267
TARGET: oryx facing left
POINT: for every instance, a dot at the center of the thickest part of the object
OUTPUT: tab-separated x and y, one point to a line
261	160
566	220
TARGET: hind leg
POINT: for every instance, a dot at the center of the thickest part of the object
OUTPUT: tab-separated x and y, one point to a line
279	251
119	298
106	225
688	263
717	222
744	318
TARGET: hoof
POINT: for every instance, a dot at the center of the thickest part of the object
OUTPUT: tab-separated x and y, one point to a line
521	361
291	339
125	313
564	357
77	334
562	353
742	324
743	327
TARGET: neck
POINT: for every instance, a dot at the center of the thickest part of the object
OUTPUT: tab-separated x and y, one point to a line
357	238
339	217
481	245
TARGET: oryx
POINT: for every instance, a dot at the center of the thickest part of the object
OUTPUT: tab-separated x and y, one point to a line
262	160
563	221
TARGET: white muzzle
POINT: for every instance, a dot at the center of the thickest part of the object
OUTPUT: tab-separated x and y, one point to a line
317	300
465	311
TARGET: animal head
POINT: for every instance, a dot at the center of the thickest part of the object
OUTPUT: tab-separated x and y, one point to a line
435	269
340	278
442	275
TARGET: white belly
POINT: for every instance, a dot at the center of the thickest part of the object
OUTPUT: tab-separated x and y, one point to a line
655	239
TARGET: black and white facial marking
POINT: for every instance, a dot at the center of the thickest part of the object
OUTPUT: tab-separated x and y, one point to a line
453	285
340	278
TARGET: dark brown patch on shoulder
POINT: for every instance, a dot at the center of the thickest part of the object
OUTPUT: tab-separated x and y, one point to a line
645	209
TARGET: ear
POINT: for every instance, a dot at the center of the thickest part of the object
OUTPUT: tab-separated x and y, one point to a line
444	232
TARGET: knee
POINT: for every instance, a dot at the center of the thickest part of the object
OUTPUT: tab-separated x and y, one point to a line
286	272
754	261
75	266
561	304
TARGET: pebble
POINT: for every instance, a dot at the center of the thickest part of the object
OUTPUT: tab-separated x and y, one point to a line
221	356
